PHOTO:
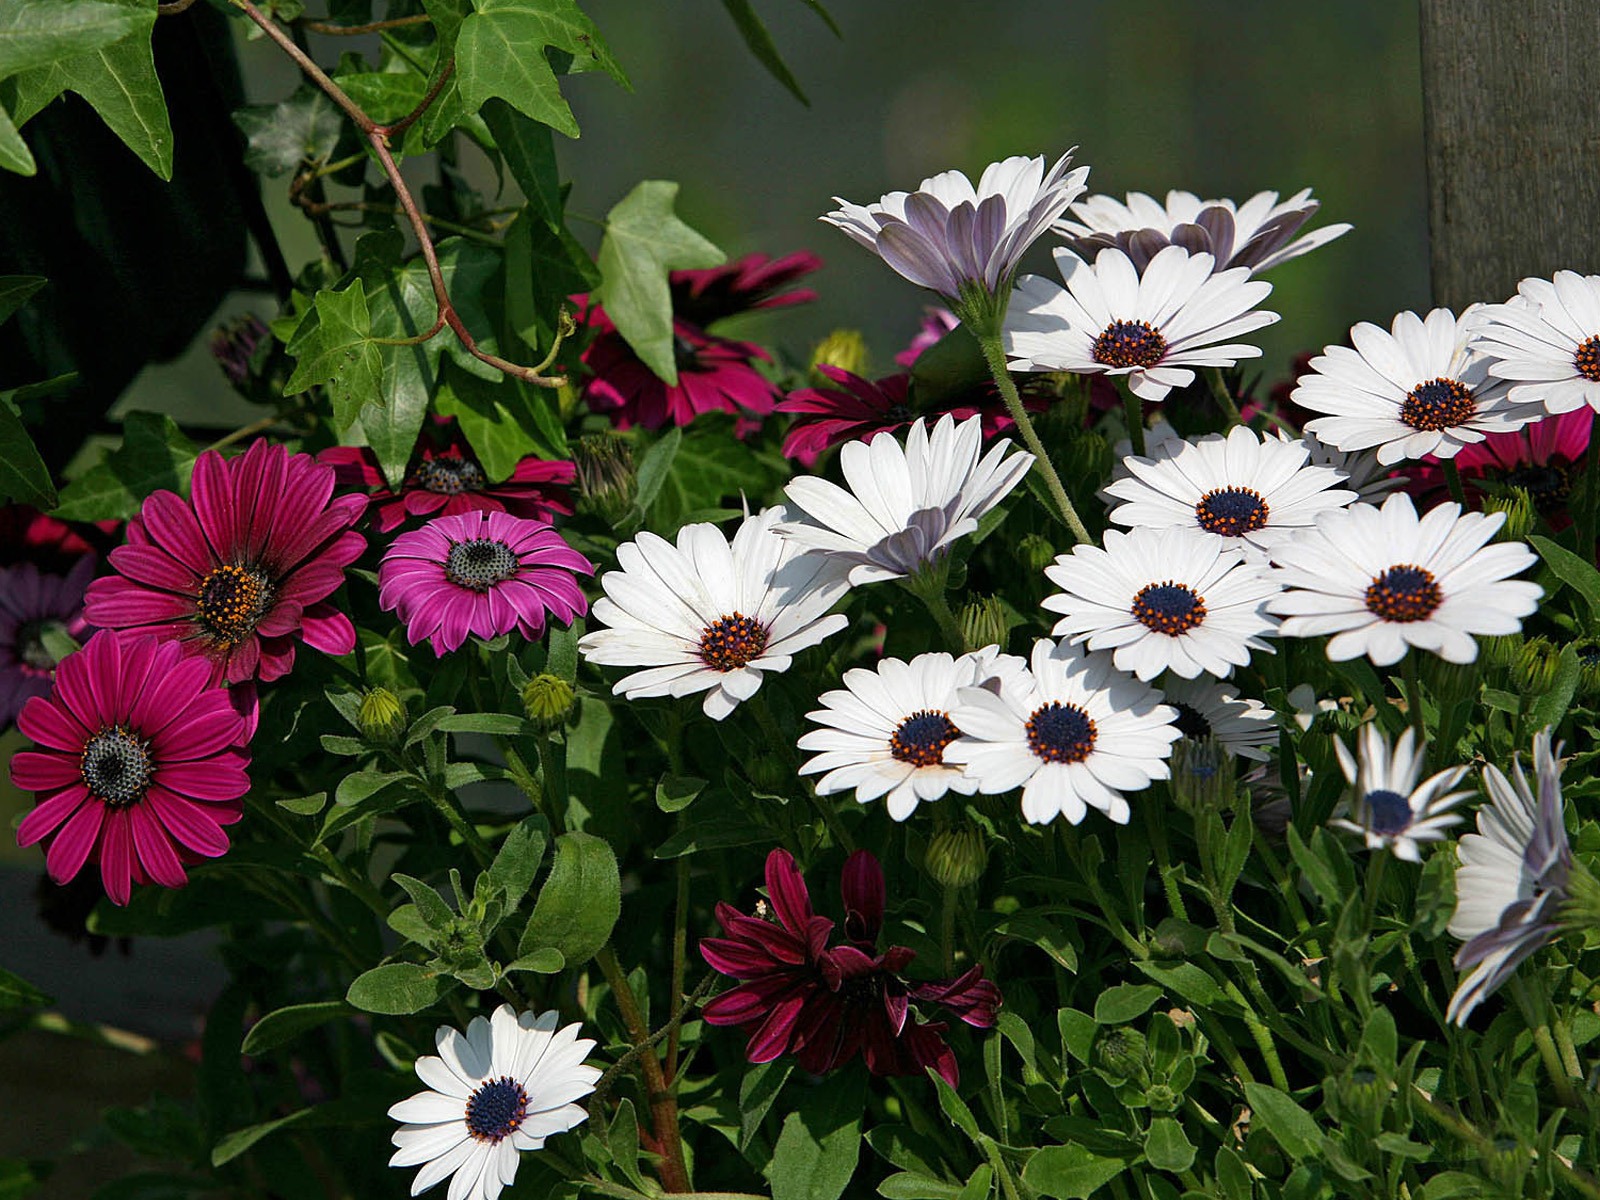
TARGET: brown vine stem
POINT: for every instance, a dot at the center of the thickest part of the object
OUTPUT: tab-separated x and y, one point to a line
173	7
352	30
378	138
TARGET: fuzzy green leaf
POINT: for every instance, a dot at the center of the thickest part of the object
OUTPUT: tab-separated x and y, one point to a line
1291	1126
285	1024
580	902
1069	1172
398	989
820	1141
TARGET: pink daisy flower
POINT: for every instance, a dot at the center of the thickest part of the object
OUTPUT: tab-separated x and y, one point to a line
936	322
483	573
240	570
755	281
139	764
1544	459
448	480
30	603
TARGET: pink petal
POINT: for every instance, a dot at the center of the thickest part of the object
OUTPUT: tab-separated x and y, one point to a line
116	856
325	628
53	725
197	826
154	848
71	847
35	772
207	780
38	824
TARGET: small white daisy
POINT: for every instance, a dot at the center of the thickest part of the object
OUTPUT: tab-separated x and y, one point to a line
1361	471
950	236
1256	234
1545	341
1411	391
906	505
1243	488
1389	808
706	616
1381	580
1078	736
1153	327
888	728
1237	724
1512	881
1170	599
503	1087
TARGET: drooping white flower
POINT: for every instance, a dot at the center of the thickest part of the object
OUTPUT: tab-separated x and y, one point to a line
1153	327
1258	234
1077	736
1389	808
1160	600
1361	471
1545	341
1381	580
501	1088
1236	724
905	504
702	615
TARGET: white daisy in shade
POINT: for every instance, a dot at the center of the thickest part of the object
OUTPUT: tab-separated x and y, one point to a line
1160	600
905	505
1413	390
886	731
1258	234
1243	488
501	1088
950	236
1513	878
702	615
1239	725
1153	327
1077	737
1545	341
1381	580
1362	472
1389	808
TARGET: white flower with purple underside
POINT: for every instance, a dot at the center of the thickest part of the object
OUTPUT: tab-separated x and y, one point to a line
905	505
701	615
1388	807
1154	327
1258	234
1238	725
1362	473
1545	341
1073	734
501	1088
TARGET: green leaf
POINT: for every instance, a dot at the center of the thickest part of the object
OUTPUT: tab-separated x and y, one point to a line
14	153
430	905
580	902
517	861
1572	570
384	95
17	992
1167	1147
676	792
337	349
1078	1032
334	1114
530	155
23	475
1069	1172
654	467
398	989
1291	1126
760	44
504	421
15	290
286	1024
644	241
543	267
1188	982
502	724
952	366
710	467
154	455
37	33
817	1149
306	806
1121	1004
307	128
758	1090
544	961
955	1107
910	1185
622	1142
1550	707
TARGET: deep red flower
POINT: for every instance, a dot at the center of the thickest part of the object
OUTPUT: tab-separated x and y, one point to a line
825	1005
27	535
1544	459
703	297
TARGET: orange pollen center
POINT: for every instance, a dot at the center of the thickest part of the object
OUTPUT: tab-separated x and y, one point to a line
232	601
732	642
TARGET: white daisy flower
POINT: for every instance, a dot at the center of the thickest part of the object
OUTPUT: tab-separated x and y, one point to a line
905	505
1078	736
1513	877
706	616
1381	580
1414	390
949	235
1153	327
1545	341
1237	724
1390	809
1247	489
501	1088
887	729
1171	599
1362	473
1256	234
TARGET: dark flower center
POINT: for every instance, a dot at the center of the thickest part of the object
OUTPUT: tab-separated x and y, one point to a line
900	414
1404	593
922	737
1438	404
232	602
1587	359
480	564
1191	721
732	642
1129	344
450	475
30	644
1232	511
116	766
1061	733
685	354
1387	812
1588	652
497	1109
1169	608
1548	484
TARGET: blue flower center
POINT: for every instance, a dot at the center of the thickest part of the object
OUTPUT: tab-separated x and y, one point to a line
480	564
450	475
1403	594
1129	344
1438	404
1191	721
1061	733
1232	512
116	766
1388	812
496	1109
922	737
1169	608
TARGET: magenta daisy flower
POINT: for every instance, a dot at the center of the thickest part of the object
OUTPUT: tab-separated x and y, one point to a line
241	569
755	281
31	603
483	573
1542	459
139	764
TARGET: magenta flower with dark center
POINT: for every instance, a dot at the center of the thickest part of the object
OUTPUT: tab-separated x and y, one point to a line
139	763
1544	459
240	570
826	1005
755	281
31	604
483	573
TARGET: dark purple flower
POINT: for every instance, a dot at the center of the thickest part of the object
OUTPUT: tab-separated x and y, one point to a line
233	346
755	281
31	603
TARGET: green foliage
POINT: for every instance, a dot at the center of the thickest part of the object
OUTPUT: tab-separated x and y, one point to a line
307	129
815	1157
580	902
759	41
154	455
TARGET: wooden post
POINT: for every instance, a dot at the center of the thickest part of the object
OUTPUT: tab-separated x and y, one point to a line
1511	125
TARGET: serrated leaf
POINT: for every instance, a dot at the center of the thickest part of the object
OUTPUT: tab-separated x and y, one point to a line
337	349
285	1024
580	902
759	42
37	33
23	475
154	455
643	243
306	128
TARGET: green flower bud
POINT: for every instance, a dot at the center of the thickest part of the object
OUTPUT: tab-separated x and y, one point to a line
1122	1052
983	623
1499	651
607	483
382	716
1535	667
547	699
1521	515
1034	554
845	349
1160	1097
1203	775
956	857
1589	665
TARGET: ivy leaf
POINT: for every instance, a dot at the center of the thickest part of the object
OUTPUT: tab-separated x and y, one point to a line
14	153
501	51
543	267
337	349
503	422
645	241
530	155
37	33
154	455
23	475
759	42
305	128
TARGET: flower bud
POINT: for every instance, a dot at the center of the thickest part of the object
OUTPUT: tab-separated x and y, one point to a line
607	483
983	623
1160	1097
1121	1052
1499	651
1588	665
956	857
234	346
547	699
845	349
1535	667
1521	515
1034	554
382	716
768	774
1203	775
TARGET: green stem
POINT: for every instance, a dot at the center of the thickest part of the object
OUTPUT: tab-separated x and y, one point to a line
1452	479
1133	414
553	776
1169	881
929	588
680	952
1219	393
1008	1185
1408	670
450	809
947	928
1536	1012
1377	861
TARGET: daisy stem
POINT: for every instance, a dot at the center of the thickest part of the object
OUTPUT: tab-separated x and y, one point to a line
1375	868
931	593
1536	1012
1133	415
947	928
994	354
1408	672
552	777
450	809
1219	393
1452	479
680	951
1485	1146
1169	881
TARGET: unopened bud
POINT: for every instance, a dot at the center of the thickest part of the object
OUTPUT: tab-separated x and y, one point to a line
1588	650
768	774
1499	651
1203	775
1535	667
234	346
547	699
956	857
382	716
983	623
1035	553
1521	514
607	482
845	349
1121	1052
